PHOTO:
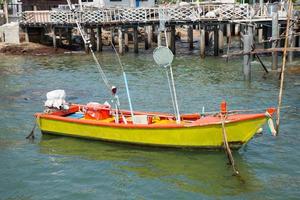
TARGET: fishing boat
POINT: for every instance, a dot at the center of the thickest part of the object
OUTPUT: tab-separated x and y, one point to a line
98	121
110	123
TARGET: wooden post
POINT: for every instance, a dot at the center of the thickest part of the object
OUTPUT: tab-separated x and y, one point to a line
173	46
221	37
247	61
120	37
135	40
99	38
53	37
70	36
26	34
146	38
207	38
202	42
250	34
275	35
216	41
190	37
60	37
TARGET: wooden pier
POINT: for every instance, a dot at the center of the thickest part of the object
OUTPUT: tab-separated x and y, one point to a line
214	21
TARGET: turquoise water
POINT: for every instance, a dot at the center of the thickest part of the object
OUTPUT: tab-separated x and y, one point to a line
68	168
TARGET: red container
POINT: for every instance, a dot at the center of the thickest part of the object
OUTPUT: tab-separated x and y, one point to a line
98	112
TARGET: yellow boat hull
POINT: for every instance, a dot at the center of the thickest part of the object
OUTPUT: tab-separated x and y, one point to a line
206	136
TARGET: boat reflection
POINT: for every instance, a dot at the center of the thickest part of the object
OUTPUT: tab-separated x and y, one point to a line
199	171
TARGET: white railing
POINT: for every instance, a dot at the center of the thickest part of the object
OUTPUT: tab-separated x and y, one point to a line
123	15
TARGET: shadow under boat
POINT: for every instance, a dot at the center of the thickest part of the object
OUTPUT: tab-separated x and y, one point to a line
193	170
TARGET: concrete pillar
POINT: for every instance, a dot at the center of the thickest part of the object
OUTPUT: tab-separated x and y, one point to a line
202	42
173	46
275	35
228	32
216	41
135	40
158	38
237	29
149	34
99	38
247	61
126	40
120	37
260	35
190	37
221	37
5	11
53	37
26	34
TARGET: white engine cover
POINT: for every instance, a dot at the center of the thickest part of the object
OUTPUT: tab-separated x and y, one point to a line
56	99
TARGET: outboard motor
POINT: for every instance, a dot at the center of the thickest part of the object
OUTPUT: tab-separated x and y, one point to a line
56	101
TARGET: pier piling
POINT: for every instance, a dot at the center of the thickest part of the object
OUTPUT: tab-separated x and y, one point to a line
53	37
126	40
99	38
246	62
275	36
221	38
202	42
190	37
158	38
172	39
120	42
216	41
135	40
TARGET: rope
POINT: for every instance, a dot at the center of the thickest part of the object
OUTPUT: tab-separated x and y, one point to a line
87	42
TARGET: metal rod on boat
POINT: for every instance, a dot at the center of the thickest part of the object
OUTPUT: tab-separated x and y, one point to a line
175	96
226	146
128	94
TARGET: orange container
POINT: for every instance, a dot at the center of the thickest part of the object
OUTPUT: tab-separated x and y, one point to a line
97	112
223	107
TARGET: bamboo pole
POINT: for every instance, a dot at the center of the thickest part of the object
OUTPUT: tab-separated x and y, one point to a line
227	148
283	65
